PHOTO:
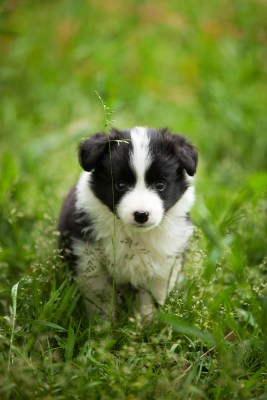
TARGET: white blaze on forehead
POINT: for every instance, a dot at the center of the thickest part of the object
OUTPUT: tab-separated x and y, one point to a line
140	157
140	198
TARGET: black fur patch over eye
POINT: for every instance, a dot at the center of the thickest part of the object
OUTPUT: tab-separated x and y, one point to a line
166	172
112	175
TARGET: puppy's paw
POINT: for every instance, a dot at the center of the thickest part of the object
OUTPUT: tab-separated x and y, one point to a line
147	313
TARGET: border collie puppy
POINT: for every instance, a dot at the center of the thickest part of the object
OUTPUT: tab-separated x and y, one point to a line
125	223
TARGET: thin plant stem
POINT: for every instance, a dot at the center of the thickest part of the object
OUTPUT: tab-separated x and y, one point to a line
14	294
114	234
107	112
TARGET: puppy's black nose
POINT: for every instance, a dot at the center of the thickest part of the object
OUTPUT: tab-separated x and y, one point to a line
141	216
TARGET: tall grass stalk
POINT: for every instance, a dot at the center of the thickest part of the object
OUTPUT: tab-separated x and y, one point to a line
14	296
110	123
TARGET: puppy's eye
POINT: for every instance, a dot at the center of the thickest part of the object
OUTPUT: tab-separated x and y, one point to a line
120	186
160	186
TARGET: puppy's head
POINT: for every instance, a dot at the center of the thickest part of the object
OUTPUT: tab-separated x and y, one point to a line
138	174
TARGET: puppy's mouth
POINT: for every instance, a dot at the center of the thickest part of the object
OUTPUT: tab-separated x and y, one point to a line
143	227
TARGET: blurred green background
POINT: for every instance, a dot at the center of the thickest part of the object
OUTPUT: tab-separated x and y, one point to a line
198	67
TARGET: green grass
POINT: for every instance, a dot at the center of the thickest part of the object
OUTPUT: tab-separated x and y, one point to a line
197	67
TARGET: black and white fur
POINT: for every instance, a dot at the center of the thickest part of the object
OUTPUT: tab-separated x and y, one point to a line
126	220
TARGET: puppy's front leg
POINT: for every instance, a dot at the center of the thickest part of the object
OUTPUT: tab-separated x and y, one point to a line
93	280
160	290
97	292
146	306
157	293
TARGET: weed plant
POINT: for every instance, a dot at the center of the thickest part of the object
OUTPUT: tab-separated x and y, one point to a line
197	67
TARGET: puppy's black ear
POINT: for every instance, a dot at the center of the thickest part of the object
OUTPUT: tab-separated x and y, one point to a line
187	154
90	150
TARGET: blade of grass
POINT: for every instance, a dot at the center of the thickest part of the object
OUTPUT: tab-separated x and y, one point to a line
187	329
70	343
14	296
